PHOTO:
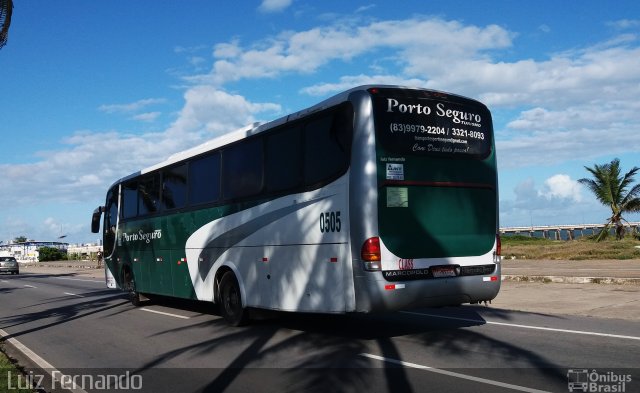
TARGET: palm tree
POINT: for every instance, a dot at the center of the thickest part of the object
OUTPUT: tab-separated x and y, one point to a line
612	190
6	8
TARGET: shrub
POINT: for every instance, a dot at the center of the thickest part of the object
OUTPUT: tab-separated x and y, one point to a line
51	254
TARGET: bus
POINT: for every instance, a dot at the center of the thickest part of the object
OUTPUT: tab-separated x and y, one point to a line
380	198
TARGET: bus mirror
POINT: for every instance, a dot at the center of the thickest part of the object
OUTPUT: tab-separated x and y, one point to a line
95	219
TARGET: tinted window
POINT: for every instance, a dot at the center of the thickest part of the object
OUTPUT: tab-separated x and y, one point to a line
284	160
243	169
429	125
129	200
110	220
174	187
326	146
204	179
148	194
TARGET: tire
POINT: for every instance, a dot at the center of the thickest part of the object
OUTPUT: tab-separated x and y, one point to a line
231	301
130	287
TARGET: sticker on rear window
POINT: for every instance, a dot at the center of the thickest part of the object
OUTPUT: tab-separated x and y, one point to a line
397	197
395	171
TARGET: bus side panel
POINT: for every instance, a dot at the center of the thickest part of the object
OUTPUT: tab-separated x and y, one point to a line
284	257
181	282
307	270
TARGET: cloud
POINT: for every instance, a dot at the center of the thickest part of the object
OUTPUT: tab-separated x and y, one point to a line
147	116
216	111
624	24
305	52
270	6
93	160
130	107
563	187
559	200
365	8
544	28
557	190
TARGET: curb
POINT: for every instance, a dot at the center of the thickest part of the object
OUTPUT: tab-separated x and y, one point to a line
571	280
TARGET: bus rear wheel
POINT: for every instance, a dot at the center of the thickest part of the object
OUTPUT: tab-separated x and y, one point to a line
231	301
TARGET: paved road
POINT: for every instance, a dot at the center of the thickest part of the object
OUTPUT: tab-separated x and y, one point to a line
77	326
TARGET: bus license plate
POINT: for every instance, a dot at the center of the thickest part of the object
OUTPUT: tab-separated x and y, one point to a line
443	271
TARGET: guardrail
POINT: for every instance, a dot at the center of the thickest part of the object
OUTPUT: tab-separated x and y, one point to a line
556	230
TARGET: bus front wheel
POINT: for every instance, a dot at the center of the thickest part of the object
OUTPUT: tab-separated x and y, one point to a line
231	301
130	287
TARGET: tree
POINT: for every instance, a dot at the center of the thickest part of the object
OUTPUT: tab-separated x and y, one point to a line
6	9
20	239
51	254
614	191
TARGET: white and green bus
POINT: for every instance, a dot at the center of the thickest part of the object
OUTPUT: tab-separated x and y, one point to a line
380	198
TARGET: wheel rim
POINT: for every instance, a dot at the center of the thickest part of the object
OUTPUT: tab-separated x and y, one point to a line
231	300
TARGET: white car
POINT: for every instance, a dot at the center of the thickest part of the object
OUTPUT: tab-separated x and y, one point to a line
9	265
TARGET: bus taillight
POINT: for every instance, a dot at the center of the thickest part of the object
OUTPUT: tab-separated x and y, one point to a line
498	245
371	254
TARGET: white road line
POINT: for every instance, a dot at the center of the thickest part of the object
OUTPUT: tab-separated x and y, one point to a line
40	362
72	294
526	326
29	286
78	279
164	313
453	374
5	281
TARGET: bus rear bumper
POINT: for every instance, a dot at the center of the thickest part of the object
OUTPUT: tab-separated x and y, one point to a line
374	293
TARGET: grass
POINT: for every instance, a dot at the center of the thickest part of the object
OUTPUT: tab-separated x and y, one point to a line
524	247
9	375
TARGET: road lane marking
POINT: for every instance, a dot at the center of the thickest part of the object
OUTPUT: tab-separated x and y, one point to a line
56	375
453	374
73	294
5	281
78	279
526	326
29	286
164	313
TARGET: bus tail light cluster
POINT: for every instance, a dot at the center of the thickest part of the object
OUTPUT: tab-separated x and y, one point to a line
497	256
371	255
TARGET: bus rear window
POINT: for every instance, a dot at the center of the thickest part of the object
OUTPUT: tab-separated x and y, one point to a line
436	124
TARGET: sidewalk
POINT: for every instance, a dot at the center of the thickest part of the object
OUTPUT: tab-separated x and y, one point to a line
573	272
87	269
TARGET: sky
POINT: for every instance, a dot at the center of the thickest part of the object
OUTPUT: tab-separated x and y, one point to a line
91	91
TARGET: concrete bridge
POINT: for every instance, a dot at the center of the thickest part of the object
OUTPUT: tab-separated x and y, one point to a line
572	231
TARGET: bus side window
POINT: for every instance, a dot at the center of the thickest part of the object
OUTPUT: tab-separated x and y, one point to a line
283	169
174	187
204	179
243	169
148	194
129	200
326	147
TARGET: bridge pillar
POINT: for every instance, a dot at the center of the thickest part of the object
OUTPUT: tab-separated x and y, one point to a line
557	231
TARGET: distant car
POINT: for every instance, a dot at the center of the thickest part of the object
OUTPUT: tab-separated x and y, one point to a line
9	265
